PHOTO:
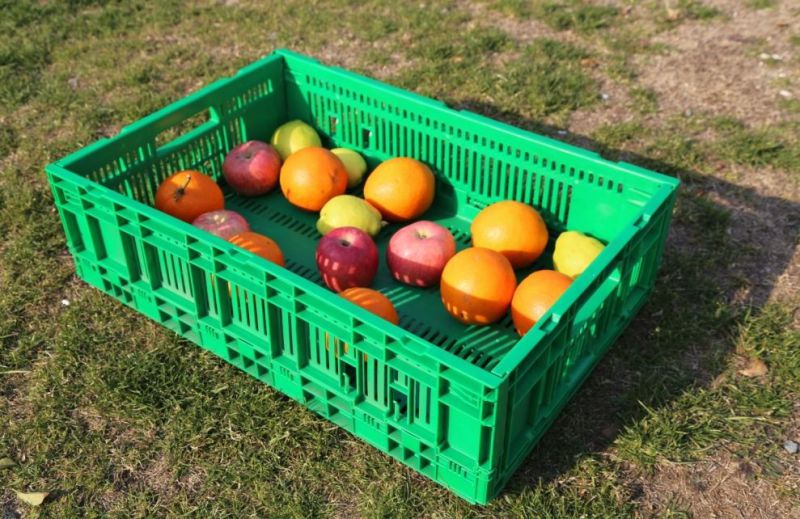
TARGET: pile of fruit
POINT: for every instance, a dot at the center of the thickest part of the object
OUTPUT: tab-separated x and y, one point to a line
478	285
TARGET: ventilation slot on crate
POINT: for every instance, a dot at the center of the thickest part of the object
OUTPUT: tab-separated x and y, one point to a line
399	403
251	205
105	173
349	373
401	294
290	223
324	351
461	237
248	310
375	383
458	469
284	337
425	331
369	420
175	274
484	346
302	270
422	402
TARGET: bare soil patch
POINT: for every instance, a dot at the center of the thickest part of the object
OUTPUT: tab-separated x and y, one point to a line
717	488
735	64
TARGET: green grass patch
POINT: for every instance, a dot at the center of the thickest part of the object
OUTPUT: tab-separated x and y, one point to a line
745	416
645	99
696	10
791	105
619	135
678	151
681	143
768	146
472	46
770	336
453	69
549	79
670	14
620	68
726	124
8	139
575	15
754	148
760	4
518	8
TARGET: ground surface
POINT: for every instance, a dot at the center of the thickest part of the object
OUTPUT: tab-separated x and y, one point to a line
115	416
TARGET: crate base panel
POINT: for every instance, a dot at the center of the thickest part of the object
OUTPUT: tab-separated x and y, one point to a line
462	405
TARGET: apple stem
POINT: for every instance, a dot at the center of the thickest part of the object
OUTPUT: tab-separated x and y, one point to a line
182	190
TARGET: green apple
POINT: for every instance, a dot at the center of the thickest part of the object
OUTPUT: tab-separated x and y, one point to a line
354	163
349	211
292	136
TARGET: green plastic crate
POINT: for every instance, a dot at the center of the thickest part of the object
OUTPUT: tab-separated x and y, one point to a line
462	405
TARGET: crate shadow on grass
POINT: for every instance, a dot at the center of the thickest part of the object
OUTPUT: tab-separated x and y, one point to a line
727	248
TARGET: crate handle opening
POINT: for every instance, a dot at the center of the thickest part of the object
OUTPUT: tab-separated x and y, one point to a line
186	127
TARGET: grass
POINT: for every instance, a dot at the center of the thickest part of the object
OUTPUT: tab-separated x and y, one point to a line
697	10
790	105
563	15
711	417
769	146
760	4
549	79
672	13
578	16
116	416
645	99
679	141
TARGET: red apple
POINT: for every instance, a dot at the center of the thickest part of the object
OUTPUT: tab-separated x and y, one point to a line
252	168
222	223
347	257
417	253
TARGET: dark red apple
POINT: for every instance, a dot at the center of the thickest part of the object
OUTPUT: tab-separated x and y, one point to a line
418	252
347	257
252	168
222	223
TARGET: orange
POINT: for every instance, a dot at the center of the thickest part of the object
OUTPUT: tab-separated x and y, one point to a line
401	188
188	194
260	245
312	176
512	228
535	295
372	301
477	286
